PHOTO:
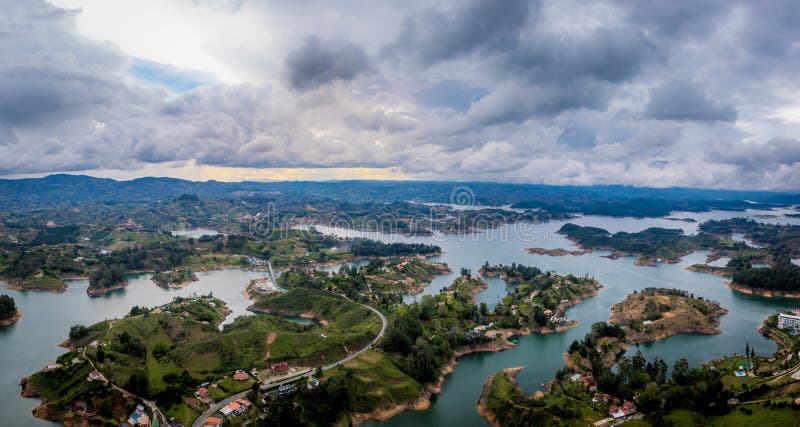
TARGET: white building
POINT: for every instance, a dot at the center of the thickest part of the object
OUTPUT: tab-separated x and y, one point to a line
788	321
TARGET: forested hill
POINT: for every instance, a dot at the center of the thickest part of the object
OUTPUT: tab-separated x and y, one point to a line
60	190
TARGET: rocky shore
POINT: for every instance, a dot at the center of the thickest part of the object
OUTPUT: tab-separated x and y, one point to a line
13	319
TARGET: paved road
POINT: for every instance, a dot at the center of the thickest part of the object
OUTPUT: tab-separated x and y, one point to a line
219	405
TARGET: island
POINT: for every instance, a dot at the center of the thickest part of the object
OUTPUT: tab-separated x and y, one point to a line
657	313
405	276
539	298
557	252
648	246
9	312
174	278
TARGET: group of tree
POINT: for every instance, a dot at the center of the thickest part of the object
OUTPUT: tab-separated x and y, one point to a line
650	243
406	336
514	272
8	308
783	276
112	268
368	247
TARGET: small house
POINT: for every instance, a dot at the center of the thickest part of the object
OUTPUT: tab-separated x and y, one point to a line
95	376
51	367
280	367
202	393
213	422
240	376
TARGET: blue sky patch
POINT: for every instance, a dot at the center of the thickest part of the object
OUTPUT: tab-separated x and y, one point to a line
168	76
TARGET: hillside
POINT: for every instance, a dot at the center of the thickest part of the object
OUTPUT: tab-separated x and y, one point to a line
656	313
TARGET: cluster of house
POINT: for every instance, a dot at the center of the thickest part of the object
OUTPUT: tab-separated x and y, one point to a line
484	329
130	224
138	418
529	299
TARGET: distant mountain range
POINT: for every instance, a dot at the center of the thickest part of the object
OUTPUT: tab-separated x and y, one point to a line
68	190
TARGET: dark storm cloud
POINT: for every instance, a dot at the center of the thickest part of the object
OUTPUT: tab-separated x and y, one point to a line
451	93
435	35
605	54
676	18
613	91
318	62
514	103
755	156
48	74
684	100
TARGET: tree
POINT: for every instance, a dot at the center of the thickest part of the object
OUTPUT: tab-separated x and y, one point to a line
680	372
77	332
8	308
483	308
747	350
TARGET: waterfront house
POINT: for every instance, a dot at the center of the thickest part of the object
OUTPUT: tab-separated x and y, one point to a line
788	321
51	367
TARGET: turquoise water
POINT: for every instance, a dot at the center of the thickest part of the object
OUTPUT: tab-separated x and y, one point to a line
32	342
541	355
28	345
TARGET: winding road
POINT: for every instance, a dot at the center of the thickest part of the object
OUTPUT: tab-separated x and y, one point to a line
266	386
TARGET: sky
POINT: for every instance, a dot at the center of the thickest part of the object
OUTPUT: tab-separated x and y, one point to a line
670	93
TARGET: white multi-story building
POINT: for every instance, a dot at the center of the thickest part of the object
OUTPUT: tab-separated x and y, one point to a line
788	321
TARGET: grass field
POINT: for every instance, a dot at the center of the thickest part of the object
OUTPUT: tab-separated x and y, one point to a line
378	381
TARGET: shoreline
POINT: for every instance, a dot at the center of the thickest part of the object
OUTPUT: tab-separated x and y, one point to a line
16	286
699	268
481	405
423	402
711	327
13	319
766	293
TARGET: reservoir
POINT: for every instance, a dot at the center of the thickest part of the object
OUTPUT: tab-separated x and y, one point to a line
32	342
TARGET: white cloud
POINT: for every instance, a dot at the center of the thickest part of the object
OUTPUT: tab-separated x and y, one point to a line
564	93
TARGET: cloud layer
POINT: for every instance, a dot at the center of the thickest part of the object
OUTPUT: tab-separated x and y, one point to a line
698	94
